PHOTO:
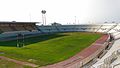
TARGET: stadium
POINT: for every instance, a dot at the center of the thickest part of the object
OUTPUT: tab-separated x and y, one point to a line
27	45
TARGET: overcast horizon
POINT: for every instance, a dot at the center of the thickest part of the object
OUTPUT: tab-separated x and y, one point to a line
61	11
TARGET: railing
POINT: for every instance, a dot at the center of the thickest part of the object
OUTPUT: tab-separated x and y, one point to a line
98	28
116	65
111	28
107	61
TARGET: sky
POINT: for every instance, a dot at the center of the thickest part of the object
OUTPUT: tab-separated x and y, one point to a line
61	11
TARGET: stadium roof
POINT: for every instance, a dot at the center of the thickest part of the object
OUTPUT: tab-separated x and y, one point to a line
16	22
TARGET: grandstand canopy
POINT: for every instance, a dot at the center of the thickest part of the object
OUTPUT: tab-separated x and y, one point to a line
15	22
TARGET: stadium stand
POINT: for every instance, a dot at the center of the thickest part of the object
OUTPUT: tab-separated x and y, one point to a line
111	58
17	26
9	30
104	28
69	28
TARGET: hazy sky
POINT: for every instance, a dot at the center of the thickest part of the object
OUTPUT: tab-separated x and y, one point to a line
61	11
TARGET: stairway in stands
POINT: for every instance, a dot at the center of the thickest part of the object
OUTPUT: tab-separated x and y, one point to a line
37	27
98	28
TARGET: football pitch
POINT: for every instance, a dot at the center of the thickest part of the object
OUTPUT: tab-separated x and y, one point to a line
49	48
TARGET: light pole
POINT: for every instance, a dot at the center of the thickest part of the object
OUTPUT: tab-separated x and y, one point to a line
74	21
43	17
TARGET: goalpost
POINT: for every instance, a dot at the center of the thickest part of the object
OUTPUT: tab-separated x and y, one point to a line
20	40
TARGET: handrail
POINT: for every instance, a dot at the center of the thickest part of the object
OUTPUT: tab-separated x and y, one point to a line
116	65
110	59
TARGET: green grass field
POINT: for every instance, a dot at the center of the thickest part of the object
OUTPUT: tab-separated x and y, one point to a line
49	49
8	64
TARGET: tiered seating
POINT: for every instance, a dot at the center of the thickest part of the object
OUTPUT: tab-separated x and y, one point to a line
66	28
109	62
105	28
95	27
47	29
115	31
28	28
5	28
34	27
112	27
69	28
19	28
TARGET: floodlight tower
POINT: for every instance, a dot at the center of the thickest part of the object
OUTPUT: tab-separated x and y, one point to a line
74	21
43	17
